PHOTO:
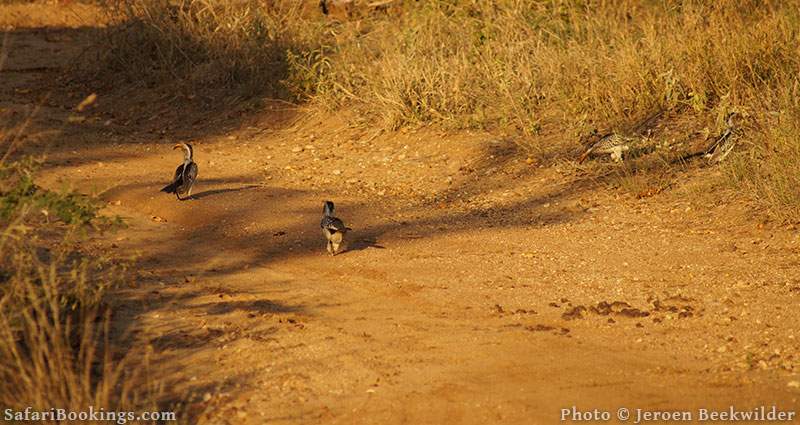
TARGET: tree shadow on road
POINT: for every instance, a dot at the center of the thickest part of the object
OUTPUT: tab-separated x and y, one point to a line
213	192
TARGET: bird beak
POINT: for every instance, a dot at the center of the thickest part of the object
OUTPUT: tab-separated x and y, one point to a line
177	146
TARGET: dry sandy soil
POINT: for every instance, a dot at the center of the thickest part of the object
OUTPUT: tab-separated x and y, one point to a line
478	287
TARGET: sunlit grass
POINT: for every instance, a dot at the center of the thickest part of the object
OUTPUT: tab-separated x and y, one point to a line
520	67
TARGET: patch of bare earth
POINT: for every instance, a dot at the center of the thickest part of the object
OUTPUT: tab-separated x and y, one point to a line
477	287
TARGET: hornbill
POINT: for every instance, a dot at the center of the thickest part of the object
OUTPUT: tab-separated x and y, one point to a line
185	174
333	229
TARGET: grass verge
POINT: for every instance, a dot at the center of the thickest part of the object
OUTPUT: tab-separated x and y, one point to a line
56	351
518	67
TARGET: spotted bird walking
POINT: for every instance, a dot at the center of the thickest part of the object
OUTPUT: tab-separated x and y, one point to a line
333	229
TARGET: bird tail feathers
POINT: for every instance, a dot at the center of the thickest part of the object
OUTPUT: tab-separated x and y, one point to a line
170	188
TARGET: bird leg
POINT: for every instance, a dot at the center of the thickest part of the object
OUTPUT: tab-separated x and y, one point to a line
336	241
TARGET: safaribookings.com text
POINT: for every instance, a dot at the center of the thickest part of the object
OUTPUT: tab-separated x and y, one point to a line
91	414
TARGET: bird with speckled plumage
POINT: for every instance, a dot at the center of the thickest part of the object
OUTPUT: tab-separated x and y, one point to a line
333	229
611	144
185	174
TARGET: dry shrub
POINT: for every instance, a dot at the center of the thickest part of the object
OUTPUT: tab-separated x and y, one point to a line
770	168
56	350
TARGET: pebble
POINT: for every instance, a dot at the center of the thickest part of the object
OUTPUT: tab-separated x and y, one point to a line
297	149
793	384
337	172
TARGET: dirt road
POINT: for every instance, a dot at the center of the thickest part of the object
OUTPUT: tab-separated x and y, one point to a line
478	287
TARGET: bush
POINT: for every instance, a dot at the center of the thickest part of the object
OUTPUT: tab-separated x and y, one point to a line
56	350
19	192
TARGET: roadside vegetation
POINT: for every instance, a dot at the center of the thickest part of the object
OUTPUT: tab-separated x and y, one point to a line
55	346
522	68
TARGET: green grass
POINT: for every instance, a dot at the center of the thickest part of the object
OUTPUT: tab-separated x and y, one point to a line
20	192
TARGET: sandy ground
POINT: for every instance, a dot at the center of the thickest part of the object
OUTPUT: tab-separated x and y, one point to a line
478	287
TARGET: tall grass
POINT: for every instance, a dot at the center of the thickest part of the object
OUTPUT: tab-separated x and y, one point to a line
56	350
514	66
770	168
203	45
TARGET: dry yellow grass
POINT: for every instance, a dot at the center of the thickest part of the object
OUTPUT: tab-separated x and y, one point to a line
56	351
519	67
55	348
769	168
